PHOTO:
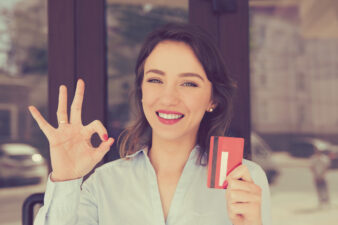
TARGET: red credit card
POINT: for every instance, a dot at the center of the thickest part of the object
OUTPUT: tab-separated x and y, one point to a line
225	154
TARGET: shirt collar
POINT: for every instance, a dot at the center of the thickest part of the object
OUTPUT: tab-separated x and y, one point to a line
144	150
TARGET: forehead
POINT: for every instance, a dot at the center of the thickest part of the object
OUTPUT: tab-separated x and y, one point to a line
174	57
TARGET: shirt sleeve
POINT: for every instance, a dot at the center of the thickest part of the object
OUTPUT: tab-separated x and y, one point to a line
259	177
66	204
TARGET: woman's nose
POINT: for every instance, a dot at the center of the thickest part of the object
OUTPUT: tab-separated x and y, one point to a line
169	96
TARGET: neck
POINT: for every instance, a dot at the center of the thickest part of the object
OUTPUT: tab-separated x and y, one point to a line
169	156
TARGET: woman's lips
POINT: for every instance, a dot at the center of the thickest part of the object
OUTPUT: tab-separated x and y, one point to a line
168	121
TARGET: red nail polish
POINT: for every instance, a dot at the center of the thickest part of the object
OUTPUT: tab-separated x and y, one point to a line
225	184
105	137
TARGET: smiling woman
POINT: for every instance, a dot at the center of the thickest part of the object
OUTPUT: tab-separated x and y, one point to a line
183	96
174	95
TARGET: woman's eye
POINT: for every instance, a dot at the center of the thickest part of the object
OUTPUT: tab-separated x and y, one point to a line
154	81
190	84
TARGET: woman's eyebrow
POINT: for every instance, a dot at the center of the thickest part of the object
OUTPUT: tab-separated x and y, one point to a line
159	72
191	75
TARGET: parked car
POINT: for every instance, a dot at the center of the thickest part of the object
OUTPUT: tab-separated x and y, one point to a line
21	163
306	147
262	154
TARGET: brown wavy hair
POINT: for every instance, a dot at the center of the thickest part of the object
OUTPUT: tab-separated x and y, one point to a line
139	134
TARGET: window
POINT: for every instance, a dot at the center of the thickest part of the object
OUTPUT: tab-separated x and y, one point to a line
24	151
298	51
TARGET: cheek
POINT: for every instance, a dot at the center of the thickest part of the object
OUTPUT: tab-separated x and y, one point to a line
197	101
148	96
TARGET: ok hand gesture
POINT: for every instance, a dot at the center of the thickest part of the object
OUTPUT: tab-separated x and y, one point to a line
72	155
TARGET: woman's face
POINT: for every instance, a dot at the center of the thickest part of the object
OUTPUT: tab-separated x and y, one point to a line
176	92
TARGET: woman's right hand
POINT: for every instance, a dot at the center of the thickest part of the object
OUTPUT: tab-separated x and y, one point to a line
72	155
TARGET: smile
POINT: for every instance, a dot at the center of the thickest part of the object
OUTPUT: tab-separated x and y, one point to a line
169	118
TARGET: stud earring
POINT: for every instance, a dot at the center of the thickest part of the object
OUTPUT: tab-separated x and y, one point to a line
210	109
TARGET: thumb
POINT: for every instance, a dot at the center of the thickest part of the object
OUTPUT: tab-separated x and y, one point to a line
103	148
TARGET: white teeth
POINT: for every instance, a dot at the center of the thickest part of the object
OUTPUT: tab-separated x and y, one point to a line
169	116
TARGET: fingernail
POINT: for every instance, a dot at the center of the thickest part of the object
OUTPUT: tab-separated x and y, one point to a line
225	184
105	137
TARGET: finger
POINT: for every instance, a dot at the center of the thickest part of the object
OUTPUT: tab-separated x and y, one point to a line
62	107
96	127
238	210
76	108
236	218
103	148
238	196
234	184
46	128
245	211
241	172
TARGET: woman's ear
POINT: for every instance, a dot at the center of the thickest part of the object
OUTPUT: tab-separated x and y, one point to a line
212	107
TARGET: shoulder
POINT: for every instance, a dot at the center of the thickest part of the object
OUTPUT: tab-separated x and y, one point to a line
252	166
123	163
123	166
112	173
115	166
256	172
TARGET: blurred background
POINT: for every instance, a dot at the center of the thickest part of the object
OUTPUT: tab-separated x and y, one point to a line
293	93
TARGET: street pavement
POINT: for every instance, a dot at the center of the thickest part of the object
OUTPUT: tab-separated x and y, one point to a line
11	200
293	196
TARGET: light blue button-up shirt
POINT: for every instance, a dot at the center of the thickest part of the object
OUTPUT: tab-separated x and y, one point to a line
125	192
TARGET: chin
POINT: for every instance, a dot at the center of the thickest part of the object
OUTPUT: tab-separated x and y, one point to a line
171	135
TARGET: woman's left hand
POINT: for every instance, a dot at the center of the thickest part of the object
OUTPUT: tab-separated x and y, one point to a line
243	198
